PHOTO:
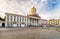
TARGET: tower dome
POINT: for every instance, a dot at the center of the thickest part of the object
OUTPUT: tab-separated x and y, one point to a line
33	10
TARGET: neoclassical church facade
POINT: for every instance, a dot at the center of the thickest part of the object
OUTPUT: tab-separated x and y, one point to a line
15	20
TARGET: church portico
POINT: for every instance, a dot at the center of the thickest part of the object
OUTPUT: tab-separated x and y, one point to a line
34	17
34	21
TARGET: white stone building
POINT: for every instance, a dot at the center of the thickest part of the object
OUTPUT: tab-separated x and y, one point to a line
15	20
43	21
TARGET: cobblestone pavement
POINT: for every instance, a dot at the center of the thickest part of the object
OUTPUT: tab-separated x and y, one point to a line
28	33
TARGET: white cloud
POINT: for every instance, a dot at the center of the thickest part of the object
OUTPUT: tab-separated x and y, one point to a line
31	0
43	1
23	7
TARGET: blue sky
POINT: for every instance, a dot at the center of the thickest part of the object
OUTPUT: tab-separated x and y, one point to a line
47	9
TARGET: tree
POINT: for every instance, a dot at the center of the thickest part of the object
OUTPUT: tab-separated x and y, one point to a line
2	19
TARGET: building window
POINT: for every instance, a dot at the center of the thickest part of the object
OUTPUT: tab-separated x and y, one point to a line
8	24
9	18
16	19
20	19
24	19
13	18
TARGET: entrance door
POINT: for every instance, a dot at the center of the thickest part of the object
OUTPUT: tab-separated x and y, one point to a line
3	24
